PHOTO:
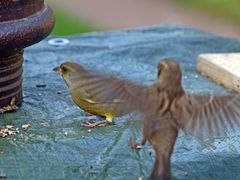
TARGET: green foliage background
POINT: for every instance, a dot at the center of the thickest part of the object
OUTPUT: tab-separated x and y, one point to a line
68	24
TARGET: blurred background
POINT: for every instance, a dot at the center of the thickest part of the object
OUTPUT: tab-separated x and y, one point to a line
221	17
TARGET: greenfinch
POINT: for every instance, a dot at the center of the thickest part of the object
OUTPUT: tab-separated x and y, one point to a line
90	91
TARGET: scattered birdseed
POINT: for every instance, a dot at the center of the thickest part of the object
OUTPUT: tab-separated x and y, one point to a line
25	126
8	130
12	106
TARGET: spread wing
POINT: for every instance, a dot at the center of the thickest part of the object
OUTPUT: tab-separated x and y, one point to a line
209	115
99	88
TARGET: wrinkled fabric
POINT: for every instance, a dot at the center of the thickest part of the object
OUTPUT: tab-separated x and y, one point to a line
57	147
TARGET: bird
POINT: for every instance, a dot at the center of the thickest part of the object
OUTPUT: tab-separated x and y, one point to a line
164	106
166	109
90	92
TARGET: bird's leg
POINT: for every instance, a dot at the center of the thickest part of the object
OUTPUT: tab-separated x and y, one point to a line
163	141
101	123
137	146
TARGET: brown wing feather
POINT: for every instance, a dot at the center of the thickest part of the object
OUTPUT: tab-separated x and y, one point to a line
109	89
209	115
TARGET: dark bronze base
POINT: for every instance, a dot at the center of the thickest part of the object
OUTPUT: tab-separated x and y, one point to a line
11	77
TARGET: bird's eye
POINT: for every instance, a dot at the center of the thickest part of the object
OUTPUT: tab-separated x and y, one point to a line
64	69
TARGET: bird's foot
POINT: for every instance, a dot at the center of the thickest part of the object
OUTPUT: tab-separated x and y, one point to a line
88	114
102	123
135	146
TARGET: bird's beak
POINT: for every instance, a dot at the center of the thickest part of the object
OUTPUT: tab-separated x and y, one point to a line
57	69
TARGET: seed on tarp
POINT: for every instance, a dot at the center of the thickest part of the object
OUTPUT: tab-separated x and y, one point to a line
25	126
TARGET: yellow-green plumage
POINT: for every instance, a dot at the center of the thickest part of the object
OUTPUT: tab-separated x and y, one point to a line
95	93
108	110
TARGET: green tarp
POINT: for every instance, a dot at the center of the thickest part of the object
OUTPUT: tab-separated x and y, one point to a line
57	147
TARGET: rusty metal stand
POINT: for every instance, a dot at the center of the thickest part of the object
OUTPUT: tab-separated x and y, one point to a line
22	23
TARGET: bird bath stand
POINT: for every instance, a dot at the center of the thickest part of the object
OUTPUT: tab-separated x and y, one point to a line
22	23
